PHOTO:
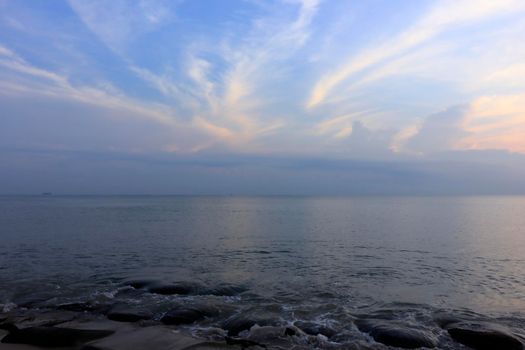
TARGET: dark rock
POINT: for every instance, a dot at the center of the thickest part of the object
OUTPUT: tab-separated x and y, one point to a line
182	316
312	328
33	300
395	334
130	293
289	332
8	326
84	307
444	319
171	289
224	290
244	343
483	336
237	324
139	284
122	313
53	336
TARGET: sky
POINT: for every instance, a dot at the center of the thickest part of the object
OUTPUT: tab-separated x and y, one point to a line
301	97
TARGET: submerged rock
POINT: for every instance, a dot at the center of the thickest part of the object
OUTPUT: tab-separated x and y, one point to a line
157	338
224	290
312	328
483	336
84	307
53	336
445	319
236	324
172	289
182	316
124	313
187	288
139	284
243	343
395	334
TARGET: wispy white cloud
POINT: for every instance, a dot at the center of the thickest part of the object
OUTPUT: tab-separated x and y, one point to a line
443	17
226	103
495	122
118	22
34	80
244	90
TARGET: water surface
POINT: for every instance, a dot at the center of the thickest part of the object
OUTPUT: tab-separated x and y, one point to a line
313	258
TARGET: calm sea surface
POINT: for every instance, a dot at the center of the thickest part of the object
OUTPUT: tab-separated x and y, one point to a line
311	258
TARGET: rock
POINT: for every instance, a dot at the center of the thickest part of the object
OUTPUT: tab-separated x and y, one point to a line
171	289
157	338
312	328
243	343
123	313
139	284
224	290
395	334
444	319
290	332
483	336
84	307
53	336
37	318
274	337
189	314
182	316
33	300
236	324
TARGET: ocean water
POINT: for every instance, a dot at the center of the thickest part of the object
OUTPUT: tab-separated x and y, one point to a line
328	261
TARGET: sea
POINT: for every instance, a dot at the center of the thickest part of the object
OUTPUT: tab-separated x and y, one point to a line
320	265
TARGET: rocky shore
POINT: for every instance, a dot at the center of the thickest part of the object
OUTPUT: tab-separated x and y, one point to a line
210	319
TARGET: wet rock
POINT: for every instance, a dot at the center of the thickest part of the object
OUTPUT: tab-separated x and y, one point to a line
274	337
140	284
483	336
123	313
244	343
53	336
130	293
8	326
236	324
33	300
290	332
312	328
224	290
37	318
445	319
395	334
189	313
172	289
84	307
157	338
212	333
182	316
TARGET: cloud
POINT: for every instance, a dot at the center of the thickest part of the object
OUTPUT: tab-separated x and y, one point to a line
487	123
443	17
438	132
116	23
249	174
495	122
29	79
224	96
234	77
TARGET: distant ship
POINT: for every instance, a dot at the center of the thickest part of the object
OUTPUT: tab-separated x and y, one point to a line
47	194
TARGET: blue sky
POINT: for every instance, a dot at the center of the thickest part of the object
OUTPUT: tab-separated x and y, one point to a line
245	96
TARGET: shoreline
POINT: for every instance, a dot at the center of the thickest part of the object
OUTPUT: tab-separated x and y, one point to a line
38	329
